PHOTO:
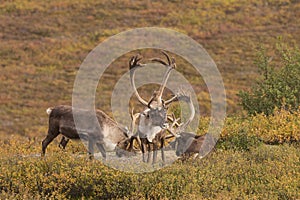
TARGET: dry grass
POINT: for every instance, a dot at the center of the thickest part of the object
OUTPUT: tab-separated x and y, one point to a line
44	43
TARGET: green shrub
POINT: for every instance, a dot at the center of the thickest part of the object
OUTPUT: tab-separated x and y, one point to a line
280	86
239	142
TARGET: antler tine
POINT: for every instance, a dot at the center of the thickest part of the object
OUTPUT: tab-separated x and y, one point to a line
181	95
174	123
171	61
138	58
167	56
171	66
134	61
134	117
133	65
131	113
172	119
184	95
131	62
159	61
174	98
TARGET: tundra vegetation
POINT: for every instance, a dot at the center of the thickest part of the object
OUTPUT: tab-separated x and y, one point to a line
257	156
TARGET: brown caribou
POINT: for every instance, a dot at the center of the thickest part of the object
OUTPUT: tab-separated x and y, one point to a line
105	133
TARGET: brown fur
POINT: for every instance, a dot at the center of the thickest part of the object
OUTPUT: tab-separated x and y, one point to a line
189	144
61	121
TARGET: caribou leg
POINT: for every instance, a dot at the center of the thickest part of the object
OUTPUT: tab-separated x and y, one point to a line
91	144
154	153
162	142
144	148
63	142
49	138
149	152
101	149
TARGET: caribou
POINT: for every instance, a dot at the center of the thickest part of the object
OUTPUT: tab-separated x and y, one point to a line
105	133
187	144
153	121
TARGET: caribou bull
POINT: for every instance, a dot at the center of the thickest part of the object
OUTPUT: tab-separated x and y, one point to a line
153	121
105	132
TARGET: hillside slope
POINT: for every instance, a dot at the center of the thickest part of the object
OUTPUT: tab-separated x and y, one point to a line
42	45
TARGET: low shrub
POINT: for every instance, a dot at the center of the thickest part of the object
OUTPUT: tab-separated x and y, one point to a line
280	86
264	172
281	127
